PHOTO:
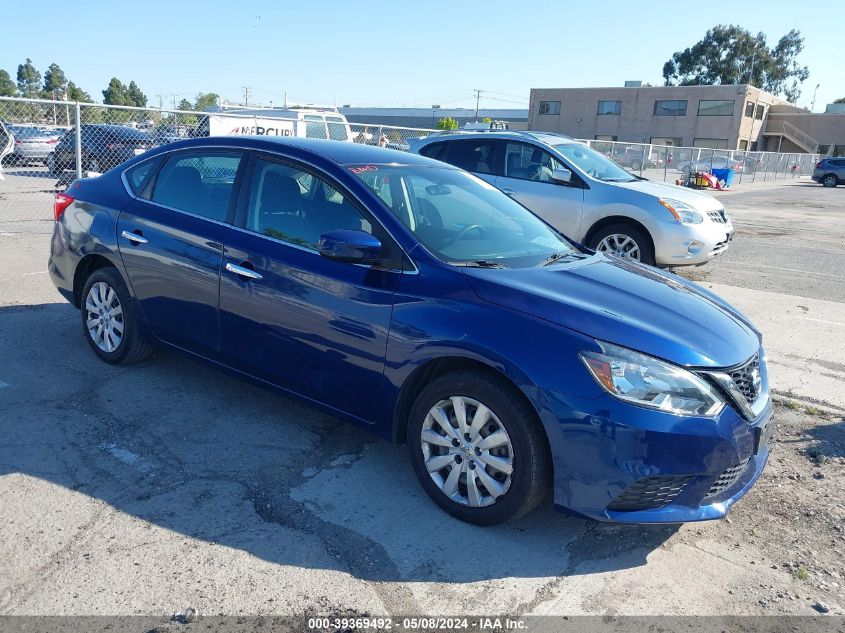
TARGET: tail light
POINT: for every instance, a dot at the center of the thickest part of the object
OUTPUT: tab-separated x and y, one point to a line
62	202
52	141
115	146
819	165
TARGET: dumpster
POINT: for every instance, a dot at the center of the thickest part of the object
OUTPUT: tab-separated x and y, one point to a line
726	175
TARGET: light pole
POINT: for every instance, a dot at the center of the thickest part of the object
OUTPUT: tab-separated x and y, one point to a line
813	102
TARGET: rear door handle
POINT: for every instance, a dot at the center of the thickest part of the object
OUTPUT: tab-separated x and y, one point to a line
135	238
240	271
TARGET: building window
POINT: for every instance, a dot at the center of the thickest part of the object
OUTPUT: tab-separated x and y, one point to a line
749	109
743	145
672	141
609	107
711	143
761	110
670	107
605	137
716	108
550	107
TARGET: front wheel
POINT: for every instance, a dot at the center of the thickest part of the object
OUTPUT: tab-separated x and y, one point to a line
830	180
624	240
109	320
478	449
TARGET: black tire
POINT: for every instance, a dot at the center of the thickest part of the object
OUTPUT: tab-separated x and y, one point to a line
830	180
634	232
531	479
132	346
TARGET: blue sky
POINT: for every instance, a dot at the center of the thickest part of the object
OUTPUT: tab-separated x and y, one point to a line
387	53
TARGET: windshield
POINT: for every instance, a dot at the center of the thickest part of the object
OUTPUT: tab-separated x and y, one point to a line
461	218
594	164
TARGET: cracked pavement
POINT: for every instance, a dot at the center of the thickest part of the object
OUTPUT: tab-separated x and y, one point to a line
151	488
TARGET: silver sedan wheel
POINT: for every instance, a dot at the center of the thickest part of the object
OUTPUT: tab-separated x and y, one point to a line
467	451
619	245
104	318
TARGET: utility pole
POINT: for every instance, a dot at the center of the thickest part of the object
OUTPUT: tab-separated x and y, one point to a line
160	101
477	100
246	95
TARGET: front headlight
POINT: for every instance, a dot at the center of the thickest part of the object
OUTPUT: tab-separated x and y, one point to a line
653	383
681	211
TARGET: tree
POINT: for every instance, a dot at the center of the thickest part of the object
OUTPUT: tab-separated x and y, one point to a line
75	93
487	119
840	100
447	123
134	95
184	104
7	86
55	82
115	94
205	100
729	54
29	79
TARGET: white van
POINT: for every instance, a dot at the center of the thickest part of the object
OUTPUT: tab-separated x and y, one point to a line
311	123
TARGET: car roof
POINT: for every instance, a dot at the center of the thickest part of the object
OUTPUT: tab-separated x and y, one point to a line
340	152
547	138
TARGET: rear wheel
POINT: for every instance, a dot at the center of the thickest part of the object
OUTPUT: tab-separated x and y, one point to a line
624	240
478	449
830	180
109	320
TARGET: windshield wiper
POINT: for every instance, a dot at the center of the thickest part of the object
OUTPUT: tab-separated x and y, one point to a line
556	257
482	263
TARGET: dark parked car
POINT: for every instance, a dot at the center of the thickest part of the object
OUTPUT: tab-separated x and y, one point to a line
830	171
420	302
103	147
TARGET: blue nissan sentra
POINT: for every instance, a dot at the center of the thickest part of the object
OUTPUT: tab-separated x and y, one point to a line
418	301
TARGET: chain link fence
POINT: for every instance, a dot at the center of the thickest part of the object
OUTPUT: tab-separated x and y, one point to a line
46	144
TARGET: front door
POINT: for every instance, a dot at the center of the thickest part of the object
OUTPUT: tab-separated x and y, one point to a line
171	243
288	315
527	178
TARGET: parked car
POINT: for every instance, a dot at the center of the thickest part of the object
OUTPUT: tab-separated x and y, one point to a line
325	123
103	147
830	171
7	145
590	198
32	144
419	302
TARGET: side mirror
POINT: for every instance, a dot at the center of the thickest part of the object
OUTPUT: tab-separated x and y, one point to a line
350	246
561	174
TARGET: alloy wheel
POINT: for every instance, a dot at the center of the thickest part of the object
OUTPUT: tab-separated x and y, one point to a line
620	245
104	317
830	181
467	451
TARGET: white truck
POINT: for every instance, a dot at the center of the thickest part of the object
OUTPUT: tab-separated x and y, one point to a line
303	122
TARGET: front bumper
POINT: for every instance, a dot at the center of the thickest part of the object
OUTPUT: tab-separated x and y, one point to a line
605	448
677	244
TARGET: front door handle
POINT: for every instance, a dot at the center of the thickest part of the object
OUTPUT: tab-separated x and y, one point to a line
135	238
240	271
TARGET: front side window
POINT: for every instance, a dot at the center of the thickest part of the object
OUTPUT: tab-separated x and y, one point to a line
315	126
550	107
670	107
199	183
609	107
460	218
295	206
337	129
528	162
474	155
716	108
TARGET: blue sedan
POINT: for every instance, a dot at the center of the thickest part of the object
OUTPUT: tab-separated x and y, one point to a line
418	301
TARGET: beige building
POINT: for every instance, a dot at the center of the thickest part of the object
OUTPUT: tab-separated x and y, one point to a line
723	117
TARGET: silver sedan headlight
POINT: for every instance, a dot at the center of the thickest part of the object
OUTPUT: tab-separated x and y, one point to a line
681	211
649	382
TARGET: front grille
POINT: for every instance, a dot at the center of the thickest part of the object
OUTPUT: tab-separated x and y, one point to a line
720	247
747	378
727	478
718	216
649	493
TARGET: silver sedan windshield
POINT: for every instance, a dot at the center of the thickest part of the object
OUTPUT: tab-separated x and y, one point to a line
593	163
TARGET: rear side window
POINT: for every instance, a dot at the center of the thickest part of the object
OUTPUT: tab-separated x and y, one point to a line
435	150
199	183
474	155
138	176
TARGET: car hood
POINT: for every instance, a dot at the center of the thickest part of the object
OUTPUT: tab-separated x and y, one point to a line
696	199
628	304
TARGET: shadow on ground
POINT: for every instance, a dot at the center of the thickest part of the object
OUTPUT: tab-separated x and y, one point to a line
192	449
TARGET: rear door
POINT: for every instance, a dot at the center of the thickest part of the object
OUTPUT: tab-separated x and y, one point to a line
526	176
171	241
476	155
292	317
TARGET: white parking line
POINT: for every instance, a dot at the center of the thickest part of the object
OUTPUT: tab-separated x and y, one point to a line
792	270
